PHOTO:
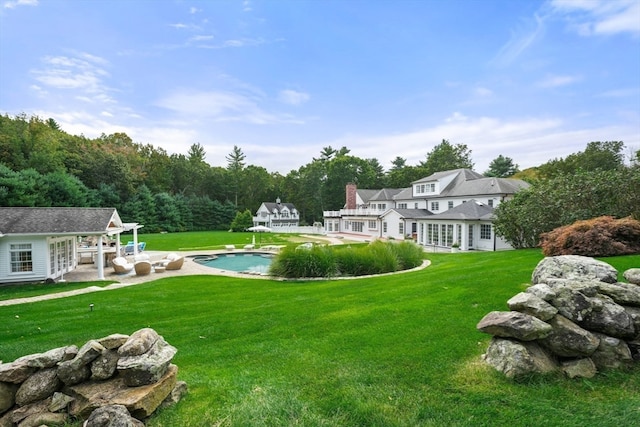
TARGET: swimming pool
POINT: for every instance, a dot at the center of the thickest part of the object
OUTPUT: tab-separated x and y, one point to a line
255	263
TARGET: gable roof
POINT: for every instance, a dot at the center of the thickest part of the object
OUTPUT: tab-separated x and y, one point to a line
465	174
469	210
486	186
39	221
386	194
410	213
271	206
366	195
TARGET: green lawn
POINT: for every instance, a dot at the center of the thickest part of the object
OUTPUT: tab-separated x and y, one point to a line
396	350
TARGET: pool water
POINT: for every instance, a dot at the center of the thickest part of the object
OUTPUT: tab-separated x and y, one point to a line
242	263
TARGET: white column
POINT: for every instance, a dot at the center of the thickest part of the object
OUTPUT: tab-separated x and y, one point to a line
100	259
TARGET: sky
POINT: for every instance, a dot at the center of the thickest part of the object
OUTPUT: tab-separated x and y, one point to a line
282	79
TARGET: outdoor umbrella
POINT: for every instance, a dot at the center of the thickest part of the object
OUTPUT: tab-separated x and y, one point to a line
259	229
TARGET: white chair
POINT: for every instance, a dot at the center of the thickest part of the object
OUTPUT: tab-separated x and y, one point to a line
121	265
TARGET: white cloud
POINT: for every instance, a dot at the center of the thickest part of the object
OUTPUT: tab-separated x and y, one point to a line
603	17
521	39
556	81
293	97
222	107
16	3
483	92
82	74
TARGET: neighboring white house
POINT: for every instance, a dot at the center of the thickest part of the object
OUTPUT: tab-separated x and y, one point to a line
37	244
277	215
447	207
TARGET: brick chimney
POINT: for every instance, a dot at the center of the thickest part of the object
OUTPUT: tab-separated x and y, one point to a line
351	196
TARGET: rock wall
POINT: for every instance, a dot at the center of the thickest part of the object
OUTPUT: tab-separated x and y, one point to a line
575	317
116	380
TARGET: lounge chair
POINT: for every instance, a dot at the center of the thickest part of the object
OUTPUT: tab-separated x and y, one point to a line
142	268
175	264
121	265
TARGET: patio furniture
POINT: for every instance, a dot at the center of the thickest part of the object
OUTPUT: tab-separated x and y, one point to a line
175	264
142	268
121	265
230	247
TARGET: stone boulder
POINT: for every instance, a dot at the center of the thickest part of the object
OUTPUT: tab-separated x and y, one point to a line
517	359
112	416
38	386
612	353
609	318
140	401
139	343
632	275
513	324
573	267
583	318
579	368
528	303
148	367
568	339
621	293
7	396
78	369
16	371
50	358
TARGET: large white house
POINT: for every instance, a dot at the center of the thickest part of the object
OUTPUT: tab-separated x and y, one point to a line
277	215
442	210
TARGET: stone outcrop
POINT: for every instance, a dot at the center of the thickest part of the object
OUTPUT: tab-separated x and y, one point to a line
574	318
118	380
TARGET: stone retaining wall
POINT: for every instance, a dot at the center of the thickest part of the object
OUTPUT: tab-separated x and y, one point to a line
116	379
575	318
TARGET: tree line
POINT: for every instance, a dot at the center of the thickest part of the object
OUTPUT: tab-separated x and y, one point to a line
41	165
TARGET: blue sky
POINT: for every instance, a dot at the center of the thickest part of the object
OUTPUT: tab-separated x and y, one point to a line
281	79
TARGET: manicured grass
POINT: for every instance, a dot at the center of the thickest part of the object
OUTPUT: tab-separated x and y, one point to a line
35	289
397	350
203	240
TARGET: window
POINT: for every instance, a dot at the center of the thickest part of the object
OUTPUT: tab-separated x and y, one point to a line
485	231
384	227
357	226
450	205
373	225
21	257
490	202
431	188
402	206
401	228
449	234
435	206
382	206
436	238
429	233
415	206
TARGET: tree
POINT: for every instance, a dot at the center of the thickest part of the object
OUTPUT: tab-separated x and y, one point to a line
598	155
564	199
242	221
235	166
502	167
446	156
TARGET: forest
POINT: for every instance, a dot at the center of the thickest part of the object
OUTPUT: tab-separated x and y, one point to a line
41	165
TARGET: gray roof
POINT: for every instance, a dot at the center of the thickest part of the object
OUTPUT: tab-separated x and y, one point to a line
486	186
411	213
406	193
278	206
469	210
386	194
465	174
366	195
80	221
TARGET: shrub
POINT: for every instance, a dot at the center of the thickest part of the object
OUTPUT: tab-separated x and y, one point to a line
602	236
323	261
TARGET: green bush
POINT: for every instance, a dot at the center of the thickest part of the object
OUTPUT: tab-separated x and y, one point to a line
324	261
